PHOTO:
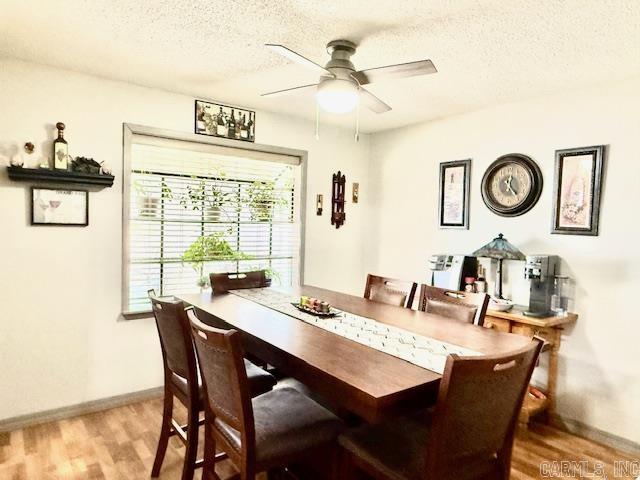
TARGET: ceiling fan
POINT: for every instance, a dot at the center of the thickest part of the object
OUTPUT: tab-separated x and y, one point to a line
340	86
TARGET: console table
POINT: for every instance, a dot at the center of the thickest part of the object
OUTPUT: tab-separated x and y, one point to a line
547	328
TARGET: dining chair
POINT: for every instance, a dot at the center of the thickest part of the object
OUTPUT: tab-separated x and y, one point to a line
260	434
466	306
223	282
467	436
390	291
182	381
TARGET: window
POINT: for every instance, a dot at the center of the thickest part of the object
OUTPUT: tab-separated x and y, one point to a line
195	207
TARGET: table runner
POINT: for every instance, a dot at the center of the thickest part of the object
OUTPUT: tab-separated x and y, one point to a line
422	351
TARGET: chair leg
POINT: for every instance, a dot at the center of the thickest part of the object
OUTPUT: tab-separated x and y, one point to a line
192	442
209	465
345	470
163	441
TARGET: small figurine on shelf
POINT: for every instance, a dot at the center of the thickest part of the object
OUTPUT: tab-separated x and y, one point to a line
105	169
16	160
60	149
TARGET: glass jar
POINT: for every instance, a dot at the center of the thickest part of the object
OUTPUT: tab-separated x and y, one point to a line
469	284
562	295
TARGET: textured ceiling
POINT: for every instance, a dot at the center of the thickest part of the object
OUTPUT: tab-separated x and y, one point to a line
487	51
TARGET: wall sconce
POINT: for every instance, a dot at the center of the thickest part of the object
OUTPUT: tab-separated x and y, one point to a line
355	192
319	205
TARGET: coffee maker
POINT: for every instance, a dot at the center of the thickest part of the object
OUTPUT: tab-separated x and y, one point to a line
540	270
449	271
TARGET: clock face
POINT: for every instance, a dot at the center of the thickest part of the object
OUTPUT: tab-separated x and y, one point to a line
512	185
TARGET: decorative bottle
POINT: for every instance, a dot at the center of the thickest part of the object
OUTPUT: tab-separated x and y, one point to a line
60	149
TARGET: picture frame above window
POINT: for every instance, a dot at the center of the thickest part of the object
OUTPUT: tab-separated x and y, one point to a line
577	190
217	120
59	207
454	191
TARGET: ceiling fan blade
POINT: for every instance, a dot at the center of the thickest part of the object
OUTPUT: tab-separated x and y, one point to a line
372	102
289	90
297	58
402	70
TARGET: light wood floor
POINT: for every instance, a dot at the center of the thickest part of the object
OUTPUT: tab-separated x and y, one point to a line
120	444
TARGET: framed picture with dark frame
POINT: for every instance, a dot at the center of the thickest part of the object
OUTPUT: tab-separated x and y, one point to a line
59	207
577	190
455	187
217	120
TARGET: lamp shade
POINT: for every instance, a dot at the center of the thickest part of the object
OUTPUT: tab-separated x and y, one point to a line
501	249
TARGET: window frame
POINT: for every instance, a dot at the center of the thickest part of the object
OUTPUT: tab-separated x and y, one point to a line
128	132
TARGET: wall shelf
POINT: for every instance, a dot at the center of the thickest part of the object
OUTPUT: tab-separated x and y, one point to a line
21	174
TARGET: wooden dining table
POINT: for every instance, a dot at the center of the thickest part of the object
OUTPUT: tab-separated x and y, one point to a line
367	382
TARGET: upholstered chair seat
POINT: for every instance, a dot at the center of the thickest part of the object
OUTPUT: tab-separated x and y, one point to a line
397	449
286	423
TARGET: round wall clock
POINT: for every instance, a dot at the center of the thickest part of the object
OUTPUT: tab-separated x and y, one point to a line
512	185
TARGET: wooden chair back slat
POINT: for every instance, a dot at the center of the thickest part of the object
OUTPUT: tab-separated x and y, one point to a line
477	410
390	291
223	282
175	336
466	306
224	376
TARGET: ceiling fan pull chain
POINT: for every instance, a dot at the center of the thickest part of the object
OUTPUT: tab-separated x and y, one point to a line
317	121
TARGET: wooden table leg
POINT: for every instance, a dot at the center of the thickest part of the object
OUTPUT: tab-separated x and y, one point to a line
553	375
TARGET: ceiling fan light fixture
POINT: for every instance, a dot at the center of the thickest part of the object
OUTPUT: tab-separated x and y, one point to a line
337	96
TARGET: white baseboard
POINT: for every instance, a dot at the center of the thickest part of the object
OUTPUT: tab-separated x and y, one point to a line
580	429
16	423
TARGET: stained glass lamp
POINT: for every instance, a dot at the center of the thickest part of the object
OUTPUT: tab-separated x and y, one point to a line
500	249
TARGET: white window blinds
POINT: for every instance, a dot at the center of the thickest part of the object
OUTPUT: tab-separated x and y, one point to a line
197	208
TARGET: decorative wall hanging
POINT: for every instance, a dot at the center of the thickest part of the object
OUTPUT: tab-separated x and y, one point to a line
512	185
455	185
319	200
59	207
218	120
577	190
355	194
337	200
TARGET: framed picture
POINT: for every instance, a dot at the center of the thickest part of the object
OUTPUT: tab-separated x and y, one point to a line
218	120
455	182
59	207
577	190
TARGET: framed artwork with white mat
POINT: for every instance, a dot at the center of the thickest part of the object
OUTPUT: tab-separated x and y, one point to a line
59	207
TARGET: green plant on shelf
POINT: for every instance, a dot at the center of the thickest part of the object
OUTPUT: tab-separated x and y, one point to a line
148	204
269	272
211	198
210	248
262	197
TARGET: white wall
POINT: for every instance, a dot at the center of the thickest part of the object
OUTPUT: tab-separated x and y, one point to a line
61	339
599	375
